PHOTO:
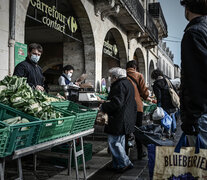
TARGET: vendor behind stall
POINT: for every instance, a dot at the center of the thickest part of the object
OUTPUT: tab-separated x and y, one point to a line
65	78
30	69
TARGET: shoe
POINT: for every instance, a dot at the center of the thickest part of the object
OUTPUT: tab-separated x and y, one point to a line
121	170
139	157
110	168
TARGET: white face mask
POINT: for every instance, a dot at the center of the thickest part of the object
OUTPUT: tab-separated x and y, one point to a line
70	74
35	58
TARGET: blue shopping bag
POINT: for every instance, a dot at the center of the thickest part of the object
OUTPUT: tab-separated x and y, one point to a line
166	122
176	163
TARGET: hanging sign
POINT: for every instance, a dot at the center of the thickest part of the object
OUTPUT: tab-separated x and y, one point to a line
54	19
110	49
20	52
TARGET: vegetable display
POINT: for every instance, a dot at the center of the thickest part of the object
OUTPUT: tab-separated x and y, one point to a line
19	95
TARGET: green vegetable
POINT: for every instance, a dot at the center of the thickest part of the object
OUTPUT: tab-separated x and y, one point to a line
17	120
24	120
21	96
12	120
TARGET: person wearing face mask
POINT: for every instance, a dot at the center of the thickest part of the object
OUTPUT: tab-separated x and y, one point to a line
65	78
30	69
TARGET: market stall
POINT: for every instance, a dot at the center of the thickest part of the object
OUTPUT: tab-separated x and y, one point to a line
31	121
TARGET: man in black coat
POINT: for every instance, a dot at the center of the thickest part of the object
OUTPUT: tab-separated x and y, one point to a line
121	110
194	70
30	69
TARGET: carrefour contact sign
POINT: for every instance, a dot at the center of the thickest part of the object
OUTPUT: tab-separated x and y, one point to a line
54	19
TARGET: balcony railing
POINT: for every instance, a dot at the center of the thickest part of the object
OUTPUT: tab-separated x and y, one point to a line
136	9
156	12
151	28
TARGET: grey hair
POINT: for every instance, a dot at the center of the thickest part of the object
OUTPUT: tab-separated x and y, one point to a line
117	72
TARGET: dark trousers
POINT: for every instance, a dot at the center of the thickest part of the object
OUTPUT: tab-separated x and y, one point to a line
138	143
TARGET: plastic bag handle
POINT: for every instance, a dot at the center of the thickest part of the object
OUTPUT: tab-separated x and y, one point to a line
183	143
199	144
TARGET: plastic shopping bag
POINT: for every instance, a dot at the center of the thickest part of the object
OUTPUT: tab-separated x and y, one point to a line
180	163
158	114
166	121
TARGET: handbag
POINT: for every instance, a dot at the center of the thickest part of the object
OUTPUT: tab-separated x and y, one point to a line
174	96
180	163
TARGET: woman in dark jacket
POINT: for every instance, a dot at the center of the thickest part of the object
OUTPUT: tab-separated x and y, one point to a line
121	110
161	91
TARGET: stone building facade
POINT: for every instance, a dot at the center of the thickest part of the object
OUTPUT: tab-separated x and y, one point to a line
91	35
165	60
177	71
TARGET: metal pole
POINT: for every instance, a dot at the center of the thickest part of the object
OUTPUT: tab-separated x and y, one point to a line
20	169
2	164
76	163
83	156
35	162
69	158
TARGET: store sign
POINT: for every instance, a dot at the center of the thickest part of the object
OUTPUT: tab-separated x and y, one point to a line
110	49
55	19
20	52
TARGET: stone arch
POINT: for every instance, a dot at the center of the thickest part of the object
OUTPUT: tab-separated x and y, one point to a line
139	57
121	46
88	39
109	62
86	32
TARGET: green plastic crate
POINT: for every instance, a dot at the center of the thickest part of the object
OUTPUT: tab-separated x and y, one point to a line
64	149
85	117
56	128
4	136
13	137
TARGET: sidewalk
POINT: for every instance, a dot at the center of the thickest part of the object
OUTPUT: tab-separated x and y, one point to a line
140	171
96	169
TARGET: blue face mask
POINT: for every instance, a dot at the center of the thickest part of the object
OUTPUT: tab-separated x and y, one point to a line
35	58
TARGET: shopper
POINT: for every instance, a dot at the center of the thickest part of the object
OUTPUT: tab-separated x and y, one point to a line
30	68
65	78
141	91
194	70
121	110
164	99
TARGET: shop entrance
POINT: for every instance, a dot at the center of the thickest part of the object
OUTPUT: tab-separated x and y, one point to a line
53	24
110	57
114	53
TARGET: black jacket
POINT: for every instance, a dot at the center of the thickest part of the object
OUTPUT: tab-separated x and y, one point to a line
161	90
31	71
121	108
194	70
